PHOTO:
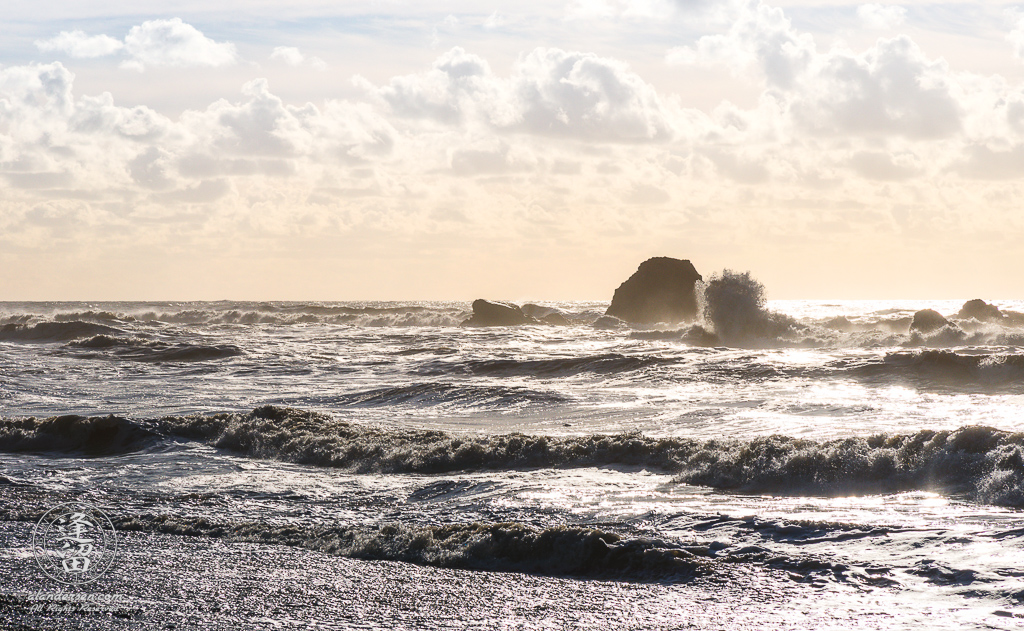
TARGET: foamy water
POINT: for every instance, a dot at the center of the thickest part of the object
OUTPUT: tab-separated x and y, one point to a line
819	464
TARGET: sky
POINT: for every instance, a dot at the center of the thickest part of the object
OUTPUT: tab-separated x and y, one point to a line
391	150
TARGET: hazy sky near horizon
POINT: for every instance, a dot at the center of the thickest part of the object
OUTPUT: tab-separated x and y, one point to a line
527	150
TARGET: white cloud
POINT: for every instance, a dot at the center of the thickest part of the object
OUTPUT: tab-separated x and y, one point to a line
494	21
289	55
294	57
551	93
1016	36
638	9
891	89
881	16
78	44
154	43
562	143
582	95
174	43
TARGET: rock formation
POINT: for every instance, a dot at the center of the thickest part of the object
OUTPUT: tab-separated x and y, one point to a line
661	290
928	320
486	313
980	311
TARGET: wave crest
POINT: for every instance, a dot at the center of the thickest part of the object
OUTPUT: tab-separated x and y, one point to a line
984	462
43	332
93	436
503	547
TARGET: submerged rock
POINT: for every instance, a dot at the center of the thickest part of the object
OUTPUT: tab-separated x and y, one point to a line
980	311
928	320
487	313
662	289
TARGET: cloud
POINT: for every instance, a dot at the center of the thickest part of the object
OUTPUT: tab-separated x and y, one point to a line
289	55
294	57
562	142
639	9
156	43
174	43
891	89
550	93
457	85
493	21
881	16
79	45
1016	36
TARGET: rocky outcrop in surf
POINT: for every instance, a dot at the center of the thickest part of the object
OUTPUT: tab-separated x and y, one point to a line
487	313
662	289
980	311
928	321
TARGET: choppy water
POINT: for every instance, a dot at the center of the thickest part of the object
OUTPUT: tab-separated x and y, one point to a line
826	468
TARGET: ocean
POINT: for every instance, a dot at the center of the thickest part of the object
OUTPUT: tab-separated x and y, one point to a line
279	465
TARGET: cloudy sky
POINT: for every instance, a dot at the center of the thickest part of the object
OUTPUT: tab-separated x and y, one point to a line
530	150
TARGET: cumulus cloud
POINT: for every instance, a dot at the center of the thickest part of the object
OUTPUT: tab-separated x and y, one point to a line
174	43
294	57
78	44
289	55
157	43
881	16
561	136
551	92
892	88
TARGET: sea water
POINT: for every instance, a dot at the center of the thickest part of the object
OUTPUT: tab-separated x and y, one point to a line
375	465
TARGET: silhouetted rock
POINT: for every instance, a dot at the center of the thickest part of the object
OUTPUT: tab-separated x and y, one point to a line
661	290
980	310
928	320
486	313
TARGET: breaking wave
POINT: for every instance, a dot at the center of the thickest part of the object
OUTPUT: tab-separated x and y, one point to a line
734	305
43	332
141	350
93	436
942	367
562	367
427	394
504	547
985	463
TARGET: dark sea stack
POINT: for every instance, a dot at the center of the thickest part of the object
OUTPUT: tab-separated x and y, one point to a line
487	313
980	311
928	320
662	290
